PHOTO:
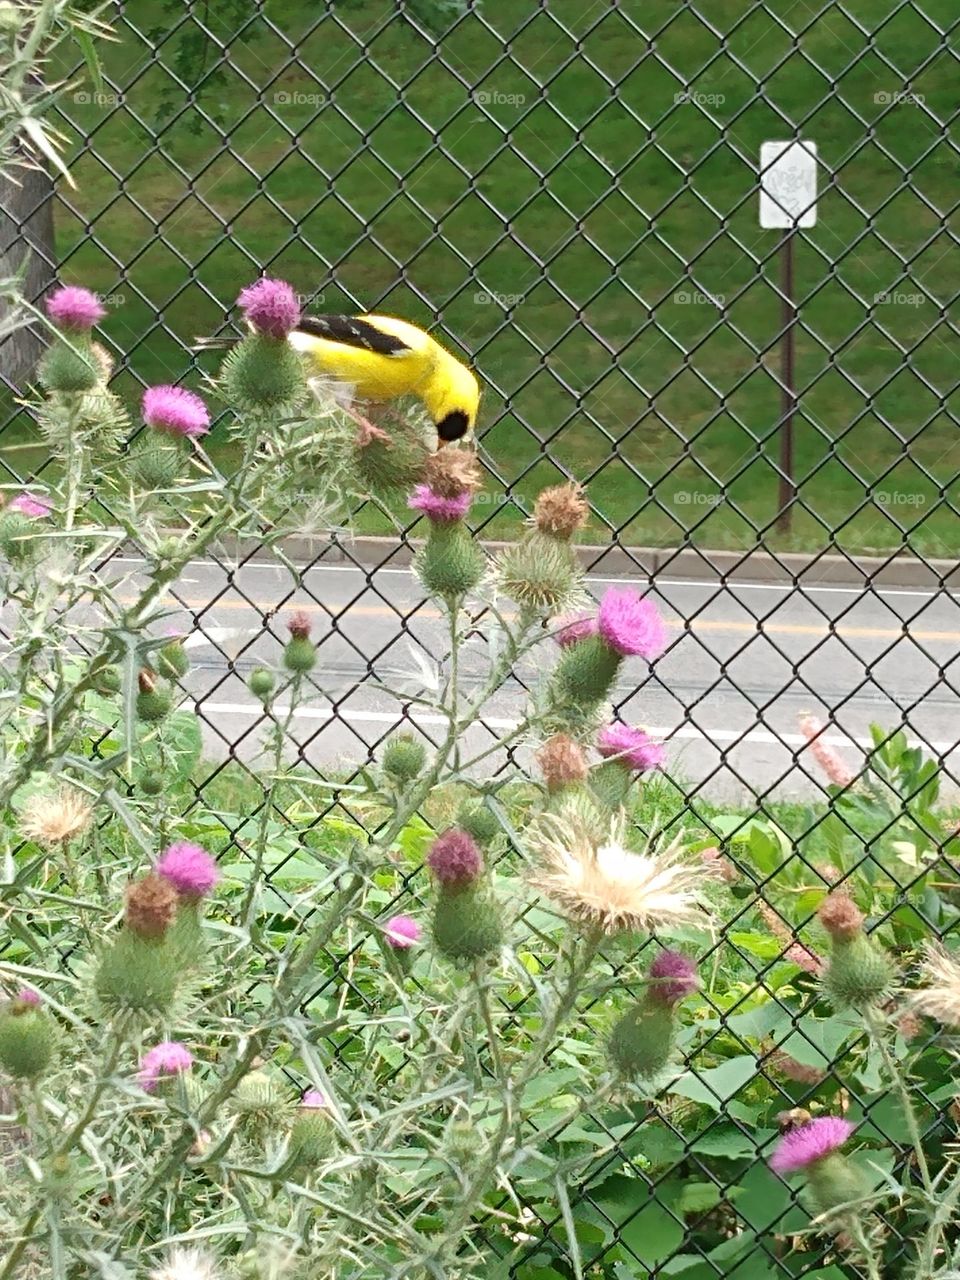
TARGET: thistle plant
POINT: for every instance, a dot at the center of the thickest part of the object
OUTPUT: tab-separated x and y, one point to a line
354	1025
177	1082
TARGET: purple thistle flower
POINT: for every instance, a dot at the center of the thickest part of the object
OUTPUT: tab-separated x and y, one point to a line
175	409
631	624
435	507
169	1058
30	504
673	976
809	1143
573	630
75	308
454	858
313	1099
631	747
271	307
402	932
26	996
190	869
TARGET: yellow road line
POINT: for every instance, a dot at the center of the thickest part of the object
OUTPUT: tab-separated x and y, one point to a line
678	624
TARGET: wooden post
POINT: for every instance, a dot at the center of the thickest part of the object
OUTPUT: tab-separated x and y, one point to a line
788	396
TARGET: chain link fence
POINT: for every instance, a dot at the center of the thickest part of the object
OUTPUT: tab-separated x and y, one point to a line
568	193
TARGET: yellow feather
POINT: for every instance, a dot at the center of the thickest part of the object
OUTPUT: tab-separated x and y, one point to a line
426	370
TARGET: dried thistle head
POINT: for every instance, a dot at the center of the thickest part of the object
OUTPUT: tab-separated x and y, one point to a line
840	916
611	887
52	818
561	511
151	906
452	473
562	762
939	998
186	1264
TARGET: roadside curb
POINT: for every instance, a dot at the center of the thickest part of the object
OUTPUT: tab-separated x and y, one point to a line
648	563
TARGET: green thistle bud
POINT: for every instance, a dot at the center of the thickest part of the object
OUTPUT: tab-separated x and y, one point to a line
311	1136
173	661
69	368
262	683
151	782
859	972
584	674
15	542
261	1103
478	821
186	933
404	757
466	922
263	373
155	465
450	563
59	1178
12	18
461	1142
611	783
108	682
386	467
27	1037
299	655
642	1041
154	705
167	550
540	573
138	974
834	1181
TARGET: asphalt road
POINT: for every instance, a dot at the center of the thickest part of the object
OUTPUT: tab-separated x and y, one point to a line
744	662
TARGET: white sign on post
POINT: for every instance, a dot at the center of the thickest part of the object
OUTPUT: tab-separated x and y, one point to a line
788	184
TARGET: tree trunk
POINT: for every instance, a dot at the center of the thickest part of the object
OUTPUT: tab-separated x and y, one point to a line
27	245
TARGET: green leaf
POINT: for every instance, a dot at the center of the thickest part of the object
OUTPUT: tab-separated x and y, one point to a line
698	1197
727	1144
714	1085
647	1230
818	1042
90	56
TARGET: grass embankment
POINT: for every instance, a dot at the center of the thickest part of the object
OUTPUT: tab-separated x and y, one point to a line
557	226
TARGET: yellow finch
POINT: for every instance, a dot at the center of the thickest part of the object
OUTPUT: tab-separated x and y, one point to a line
383	358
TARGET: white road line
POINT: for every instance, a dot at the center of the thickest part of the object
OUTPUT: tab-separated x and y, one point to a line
731	586
683	732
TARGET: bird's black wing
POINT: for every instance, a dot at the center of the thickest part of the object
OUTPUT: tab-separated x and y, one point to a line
351	331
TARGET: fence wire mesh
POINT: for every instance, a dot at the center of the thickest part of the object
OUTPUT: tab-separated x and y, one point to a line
568	193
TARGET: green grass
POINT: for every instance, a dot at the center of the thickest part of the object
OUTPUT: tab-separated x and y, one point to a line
646	397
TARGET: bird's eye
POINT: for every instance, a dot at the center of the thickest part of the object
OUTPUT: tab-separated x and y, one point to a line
453	426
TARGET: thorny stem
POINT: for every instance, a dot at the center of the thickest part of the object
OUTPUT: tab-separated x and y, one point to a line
566	998
280	731
877	1032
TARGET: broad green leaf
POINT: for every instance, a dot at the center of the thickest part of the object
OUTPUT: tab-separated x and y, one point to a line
714	1085
728	1144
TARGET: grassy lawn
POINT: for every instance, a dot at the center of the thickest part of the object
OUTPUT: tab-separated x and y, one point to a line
552	227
